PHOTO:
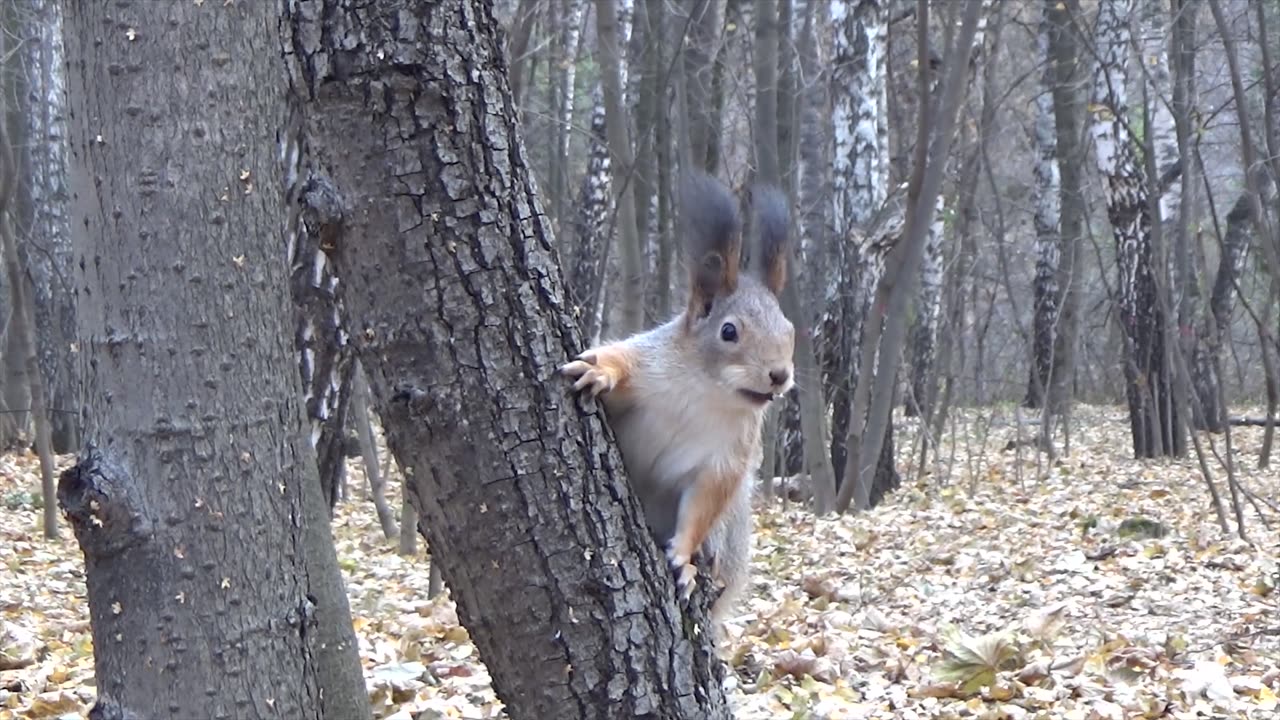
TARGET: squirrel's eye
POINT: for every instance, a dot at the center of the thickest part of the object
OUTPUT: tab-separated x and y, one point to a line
728	333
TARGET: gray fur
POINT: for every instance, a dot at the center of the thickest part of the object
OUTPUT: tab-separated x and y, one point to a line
772	221
712	230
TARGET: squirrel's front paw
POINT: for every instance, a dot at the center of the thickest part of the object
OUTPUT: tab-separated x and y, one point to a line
684	569
598	377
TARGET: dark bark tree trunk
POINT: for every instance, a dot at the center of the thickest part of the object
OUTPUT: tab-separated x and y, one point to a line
1069	121
518	45
1205	377
460	325
701	112
1201	398
212	581
408	527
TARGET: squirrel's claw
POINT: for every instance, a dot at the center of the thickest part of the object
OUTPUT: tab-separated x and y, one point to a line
588	374
684	570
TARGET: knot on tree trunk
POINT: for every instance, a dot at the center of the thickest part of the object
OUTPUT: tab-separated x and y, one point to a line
108	708
324	211
103	504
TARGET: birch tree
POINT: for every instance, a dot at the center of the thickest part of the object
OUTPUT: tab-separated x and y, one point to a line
631	296
1047	220
860	185
1148	375
46	252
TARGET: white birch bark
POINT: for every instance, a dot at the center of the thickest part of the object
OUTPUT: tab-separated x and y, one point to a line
1146	377
46	254
859	187
1047	220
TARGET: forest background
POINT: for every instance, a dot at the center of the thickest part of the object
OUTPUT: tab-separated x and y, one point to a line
1025	471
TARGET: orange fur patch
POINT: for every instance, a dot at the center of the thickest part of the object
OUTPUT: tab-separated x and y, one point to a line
712	492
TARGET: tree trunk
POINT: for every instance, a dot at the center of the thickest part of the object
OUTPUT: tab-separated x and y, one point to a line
1152	414
924	334
213	585
17	381
568	29
587	263
1202	398
518	48
22	336
1069	119
860	185
320	334
899	282
813	171
700	107
45	248
620	162
462	326
648	67
408	525
1047	219
369	453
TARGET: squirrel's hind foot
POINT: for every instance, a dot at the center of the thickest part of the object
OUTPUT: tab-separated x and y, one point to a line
686	572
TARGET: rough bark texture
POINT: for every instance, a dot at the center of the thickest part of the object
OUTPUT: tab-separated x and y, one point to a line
195	499
45	250
1148	377
460	323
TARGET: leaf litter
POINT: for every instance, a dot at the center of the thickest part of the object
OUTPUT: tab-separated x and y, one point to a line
1093	587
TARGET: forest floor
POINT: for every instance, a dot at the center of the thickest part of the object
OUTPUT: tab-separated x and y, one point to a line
999	585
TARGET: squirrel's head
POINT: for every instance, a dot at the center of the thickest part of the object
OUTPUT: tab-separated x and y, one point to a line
743	340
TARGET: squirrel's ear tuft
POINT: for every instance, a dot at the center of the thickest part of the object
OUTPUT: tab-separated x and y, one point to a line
712	235
772	219
706	280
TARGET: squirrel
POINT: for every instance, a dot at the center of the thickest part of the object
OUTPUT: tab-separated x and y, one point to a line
686	400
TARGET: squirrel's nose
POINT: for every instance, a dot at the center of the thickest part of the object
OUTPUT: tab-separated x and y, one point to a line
779	377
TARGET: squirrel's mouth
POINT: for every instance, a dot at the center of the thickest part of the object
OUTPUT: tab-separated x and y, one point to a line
757	397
